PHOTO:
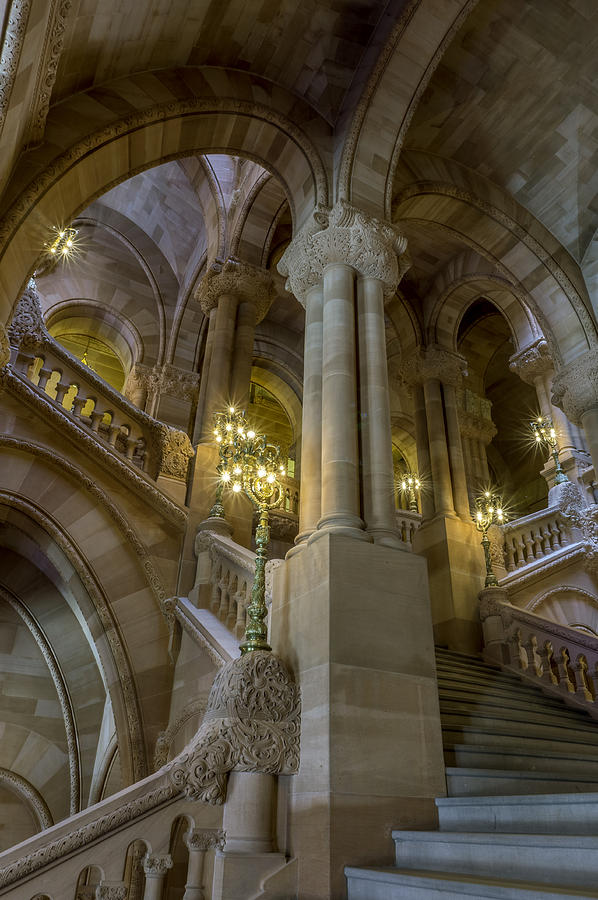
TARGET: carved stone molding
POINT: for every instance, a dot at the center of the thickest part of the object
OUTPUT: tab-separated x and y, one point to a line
250	284
433	362
252	724
48	67
533	361
175	382
156	865
114	891
166	737
174	612
202	839
344	234
12	44
494	602
25	789
138	380
585	518
575	386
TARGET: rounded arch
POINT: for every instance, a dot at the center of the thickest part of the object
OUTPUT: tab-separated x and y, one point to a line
29	795
111	155
81	316
271	381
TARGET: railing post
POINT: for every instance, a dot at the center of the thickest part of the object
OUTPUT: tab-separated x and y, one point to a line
198	842
155	867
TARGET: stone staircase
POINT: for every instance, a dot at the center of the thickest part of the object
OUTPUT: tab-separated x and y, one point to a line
521	816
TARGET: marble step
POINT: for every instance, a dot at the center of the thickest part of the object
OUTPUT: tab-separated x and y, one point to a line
560	814
522	696
533	757
453	712
462	782
564	861
400	884
474	673
536	738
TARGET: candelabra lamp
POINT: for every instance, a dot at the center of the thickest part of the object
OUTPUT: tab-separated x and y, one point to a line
545	435
249	463
410	485
488	512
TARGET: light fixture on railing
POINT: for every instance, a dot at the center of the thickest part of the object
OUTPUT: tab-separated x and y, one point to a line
489	511
545	435
249	463
411	485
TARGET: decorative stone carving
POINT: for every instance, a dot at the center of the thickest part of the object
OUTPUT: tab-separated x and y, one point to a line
178	383
27	328
166	737
114	891
532	361
344	234
252	724
573	509
575	386
4	348
248	283
433	362
201	839
494	602
25	789
138	382
156	864
475	419
497	542
175	452
12	43
48	68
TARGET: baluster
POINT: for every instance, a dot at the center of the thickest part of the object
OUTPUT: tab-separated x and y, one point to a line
223	608
113	432
535	656
96	418
239	628
518	651
529	547
510	553
44	376
61	389
520	551
215	596
538	551
24	363
233	612
131	447
585	688
566	674
77	407
545	532
551	668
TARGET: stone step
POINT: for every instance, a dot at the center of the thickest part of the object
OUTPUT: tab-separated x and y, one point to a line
401	884
536	739
563	814
525	697
462	782
473	673
455	711
563	861
528	759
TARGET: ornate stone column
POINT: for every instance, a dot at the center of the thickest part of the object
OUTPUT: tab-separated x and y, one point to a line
237	295
198	841
354	385
155	867
575	391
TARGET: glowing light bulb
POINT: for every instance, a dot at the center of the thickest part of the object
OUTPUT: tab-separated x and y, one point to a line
237	470
61	234
229	427
52	249
251	434
240	430
486	493
225	476
65	250
219	438
479	516
231	409
236	487
271	478
69	243
216	432
261	473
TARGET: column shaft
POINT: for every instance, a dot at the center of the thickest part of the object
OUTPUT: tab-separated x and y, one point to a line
441	473
423	449
310	508
460	496
589	421
200	427
243	355
218	387
340	455
376	435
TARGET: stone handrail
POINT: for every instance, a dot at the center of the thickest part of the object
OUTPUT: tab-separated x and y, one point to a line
534	537
560	658
408	522
141	440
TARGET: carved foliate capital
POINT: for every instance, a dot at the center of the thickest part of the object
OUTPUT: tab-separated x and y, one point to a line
252	724
344	234
433	362
27	328
202	839
533	361
114	891
475	419
575	386
171	380
250	284
138	379
157	864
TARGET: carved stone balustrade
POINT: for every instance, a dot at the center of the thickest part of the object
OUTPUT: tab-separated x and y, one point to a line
562	659
536	537
408	522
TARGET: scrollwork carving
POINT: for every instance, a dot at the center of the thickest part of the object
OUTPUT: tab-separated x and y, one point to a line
203	839
175	452
344	234
156	864
252	724
533	361
12	43
585	518
27	328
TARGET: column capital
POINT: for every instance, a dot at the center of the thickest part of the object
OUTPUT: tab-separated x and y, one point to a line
250	284
575	386
433	362
344	234
115	890
156	864
202	839
533	361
